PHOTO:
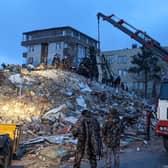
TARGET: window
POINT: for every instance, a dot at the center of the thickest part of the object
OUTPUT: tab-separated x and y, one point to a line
111	59
79	36
81	54
163	91
31	48
58	45
65	45
64	33
122	59
83	38
138	85
94	44
141	85
57	33
68	33
122	72
76	35
28	37
135	85
30	60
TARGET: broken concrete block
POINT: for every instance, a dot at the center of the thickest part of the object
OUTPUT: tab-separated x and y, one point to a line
81	101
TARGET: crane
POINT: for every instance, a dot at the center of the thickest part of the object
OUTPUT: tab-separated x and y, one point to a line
153	45
136	34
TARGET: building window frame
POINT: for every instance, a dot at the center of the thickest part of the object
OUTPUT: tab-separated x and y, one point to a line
122	59
122	72
58	45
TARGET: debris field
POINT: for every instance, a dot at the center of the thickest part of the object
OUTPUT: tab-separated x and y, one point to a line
47	101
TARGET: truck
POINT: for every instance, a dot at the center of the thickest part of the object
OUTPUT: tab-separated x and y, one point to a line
9	143
162	113
153	45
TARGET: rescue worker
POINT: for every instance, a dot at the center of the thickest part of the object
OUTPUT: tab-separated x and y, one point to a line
87	130
117	82
111	131
56	60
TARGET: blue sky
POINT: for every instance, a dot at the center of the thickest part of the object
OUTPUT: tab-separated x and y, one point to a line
18	16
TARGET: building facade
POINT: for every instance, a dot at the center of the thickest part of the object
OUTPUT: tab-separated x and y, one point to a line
43	45
120	61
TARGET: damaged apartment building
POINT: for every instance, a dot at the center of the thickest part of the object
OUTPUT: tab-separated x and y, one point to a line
43	45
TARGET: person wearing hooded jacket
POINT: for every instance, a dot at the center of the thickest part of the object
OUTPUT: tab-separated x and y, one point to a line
111	131
87	131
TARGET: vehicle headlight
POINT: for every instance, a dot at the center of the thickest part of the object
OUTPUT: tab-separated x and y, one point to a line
161	128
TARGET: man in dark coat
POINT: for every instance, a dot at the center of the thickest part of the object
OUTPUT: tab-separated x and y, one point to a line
111	137
87	130
117	82
56	60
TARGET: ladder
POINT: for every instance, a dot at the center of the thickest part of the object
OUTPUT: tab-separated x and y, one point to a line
110	74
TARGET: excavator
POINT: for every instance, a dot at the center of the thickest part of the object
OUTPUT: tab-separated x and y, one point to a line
9	143
151	44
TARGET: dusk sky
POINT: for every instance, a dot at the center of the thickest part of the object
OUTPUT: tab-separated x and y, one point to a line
18	16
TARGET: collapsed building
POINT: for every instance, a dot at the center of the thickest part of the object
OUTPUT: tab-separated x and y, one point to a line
46	102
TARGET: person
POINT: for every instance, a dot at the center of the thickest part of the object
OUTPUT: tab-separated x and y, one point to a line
117	82
56	60
3	65
148	124
111	131
122	86
87	130
66	62
126	88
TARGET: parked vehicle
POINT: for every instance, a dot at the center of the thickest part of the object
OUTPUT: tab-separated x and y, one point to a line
9	142
162	114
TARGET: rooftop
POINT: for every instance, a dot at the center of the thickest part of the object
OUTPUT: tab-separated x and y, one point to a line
56	28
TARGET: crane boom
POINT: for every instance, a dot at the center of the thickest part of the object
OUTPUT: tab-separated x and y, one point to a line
136	34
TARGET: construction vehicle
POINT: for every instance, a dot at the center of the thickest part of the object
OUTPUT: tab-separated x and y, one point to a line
9	142
136	34
162	113
153	45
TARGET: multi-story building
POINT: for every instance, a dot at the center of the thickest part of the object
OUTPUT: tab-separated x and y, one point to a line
42	45
120	61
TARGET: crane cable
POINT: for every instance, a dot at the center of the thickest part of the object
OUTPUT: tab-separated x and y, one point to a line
104	59
98	34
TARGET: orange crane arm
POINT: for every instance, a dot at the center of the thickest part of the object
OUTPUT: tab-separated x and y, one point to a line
136	34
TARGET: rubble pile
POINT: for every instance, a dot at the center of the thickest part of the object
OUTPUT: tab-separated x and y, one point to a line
47	102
